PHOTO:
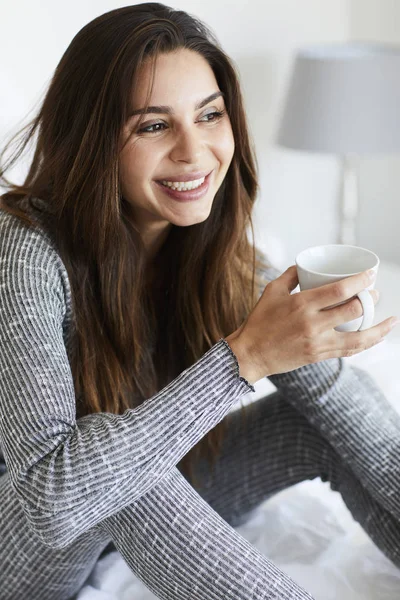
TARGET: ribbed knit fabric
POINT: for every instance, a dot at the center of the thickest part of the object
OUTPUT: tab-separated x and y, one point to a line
73	484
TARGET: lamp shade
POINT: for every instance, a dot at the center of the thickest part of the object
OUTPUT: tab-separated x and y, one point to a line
344	98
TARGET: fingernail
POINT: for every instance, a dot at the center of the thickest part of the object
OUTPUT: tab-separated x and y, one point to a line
394	322
371	274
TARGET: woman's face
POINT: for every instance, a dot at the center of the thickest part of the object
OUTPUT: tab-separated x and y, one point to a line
186	136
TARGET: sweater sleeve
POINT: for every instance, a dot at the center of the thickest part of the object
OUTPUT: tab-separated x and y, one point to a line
69	474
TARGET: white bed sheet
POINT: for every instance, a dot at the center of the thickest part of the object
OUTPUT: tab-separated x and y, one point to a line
306	530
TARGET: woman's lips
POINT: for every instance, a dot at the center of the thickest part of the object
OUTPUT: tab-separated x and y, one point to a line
189	195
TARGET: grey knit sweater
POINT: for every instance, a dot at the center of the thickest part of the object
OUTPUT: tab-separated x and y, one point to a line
70	474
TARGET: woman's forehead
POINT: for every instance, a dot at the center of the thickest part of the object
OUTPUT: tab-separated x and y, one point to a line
179	76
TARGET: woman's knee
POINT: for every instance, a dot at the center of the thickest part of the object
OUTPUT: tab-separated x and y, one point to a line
31	570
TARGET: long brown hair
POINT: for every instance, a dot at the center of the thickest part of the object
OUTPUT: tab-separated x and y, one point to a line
132	339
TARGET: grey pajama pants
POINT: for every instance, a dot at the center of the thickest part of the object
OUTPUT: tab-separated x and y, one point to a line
275	447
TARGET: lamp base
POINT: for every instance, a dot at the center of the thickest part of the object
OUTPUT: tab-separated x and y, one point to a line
349	200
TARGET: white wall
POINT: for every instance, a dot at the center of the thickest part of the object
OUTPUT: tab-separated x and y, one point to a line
297	203
379	222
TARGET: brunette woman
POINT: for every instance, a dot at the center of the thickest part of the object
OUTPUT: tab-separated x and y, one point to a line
135	313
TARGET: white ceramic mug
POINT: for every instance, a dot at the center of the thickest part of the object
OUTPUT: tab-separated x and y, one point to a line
320	265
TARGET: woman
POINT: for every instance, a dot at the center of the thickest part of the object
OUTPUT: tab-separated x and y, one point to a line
129	326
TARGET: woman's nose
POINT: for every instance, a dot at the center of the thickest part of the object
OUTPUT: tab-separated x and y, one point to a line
188	146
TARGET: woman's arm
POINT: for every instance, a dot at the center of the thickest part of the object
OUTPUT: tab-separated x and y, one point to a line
61	467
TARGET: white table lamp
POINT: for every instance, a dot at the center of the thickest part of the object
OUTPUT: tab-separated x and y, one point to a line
344	99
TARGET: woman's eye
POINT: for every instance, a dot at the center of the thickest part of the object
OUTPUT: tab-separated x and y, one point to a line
154	128
213	116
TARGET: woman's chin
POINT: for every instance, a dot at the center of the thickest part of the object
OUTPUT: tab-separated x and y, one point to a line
190	220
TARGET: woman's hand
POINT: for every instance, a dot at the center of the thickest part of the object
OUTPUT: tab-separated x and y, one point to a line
285	331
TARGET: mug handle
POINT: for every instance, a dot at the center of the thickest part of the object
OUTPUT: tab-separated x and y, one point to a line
368	309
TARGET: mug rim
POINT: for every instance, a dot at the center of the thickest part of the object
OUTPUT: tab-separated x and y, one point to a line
298	258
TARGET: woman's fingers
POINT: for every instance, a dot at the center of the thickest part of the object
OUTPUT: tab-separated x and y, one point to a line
346	312
356	341
334	293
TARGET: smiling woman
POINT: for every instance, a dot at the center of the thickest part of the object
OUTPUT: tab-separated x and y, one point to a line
124	263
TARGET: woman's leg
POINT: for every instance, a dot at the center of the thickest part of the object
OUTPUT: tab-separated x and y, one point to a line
276	447
182	549
31	571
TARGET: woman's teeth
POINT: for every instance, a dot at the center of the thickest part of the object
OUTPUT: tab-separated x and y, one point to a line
184	186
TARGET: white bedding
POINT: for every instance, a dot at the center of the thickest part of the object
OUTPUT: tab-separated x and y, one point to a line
306	530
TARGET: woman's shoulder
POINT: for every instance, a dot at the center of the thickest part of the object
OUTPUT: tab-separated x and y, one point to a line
16	235
30	250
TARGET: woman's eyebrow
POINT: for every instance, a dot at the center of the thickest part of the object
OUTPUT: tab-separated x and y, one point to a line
167	110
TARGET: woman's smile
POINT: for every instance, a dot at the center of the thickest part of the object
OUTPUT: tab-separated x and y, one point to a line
183	189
